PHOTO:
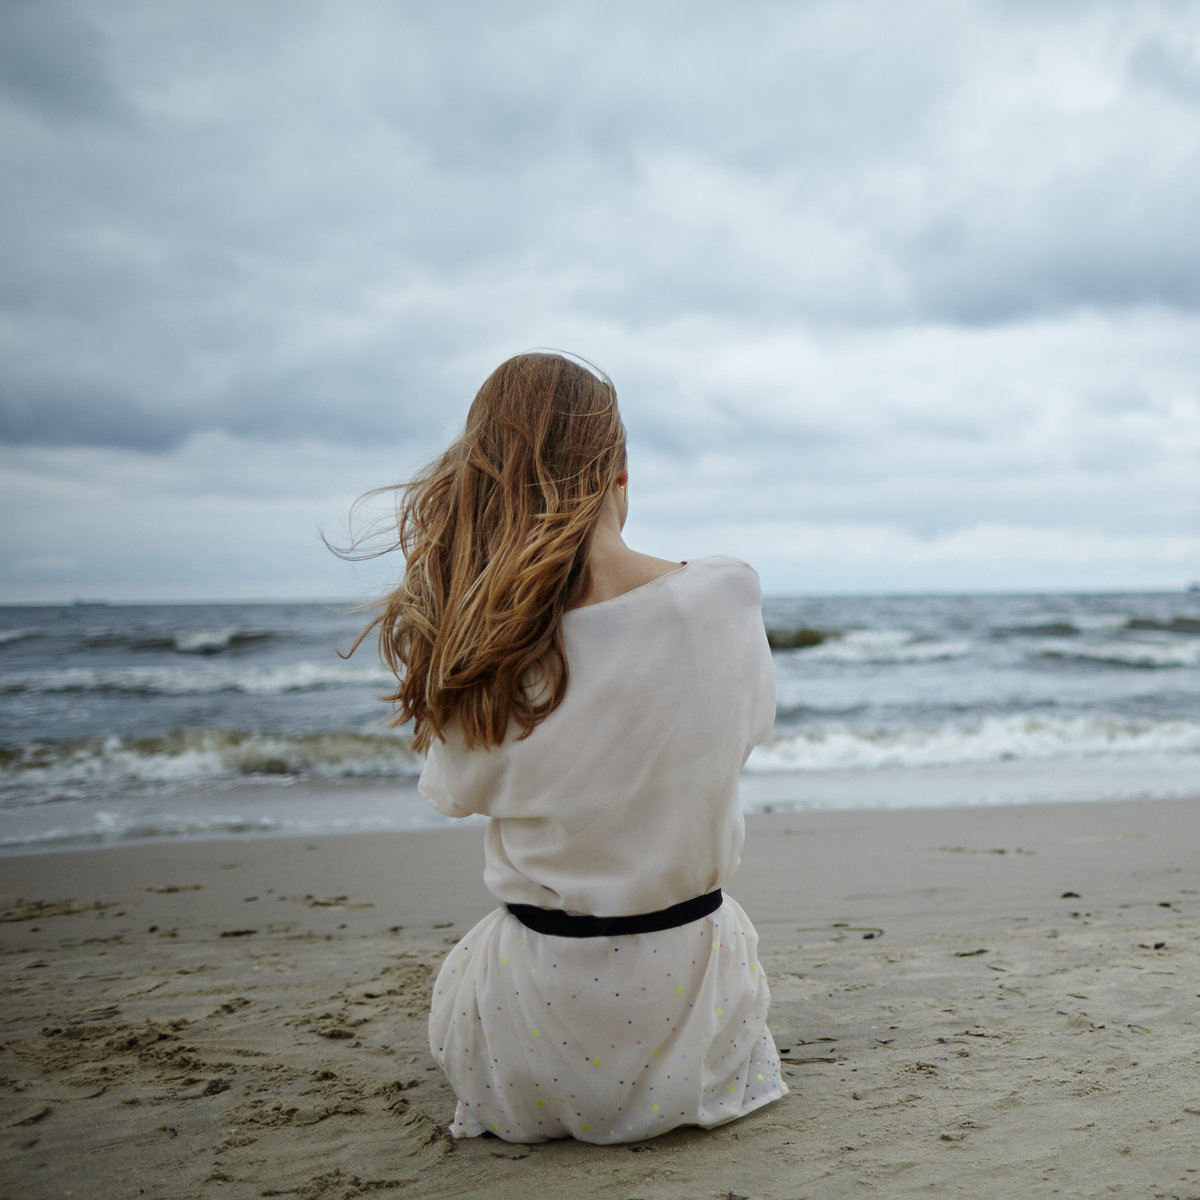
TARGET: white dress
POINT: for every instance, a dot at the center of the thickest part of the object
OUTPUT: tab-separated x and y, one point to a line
624	800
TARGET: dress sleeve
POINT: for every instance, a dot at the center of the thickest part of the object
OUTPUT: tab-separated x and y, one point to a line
763	711
443	790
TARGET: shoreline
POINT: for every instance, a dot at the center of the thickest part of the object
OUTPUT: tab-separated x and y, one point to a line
254	810
1000	1000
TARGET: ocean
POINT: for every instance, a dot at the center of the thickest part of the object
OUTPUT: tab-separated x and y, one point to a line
124	723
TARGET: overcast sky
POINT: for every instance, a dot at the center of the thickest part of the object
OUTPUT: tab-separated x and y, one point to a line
896	296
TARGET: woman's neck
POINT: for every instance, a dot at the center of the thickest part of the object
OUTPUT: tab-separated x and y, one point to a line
615	568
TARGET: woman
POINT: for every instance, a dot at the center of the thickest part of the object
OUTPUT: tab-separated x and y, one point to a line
597	704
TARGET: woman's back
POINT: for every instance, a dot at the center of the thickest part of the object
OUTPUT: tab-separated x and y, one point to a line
624	799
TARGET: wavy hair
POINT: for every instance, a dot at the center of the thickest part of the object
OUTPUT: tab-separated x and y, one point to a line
495	536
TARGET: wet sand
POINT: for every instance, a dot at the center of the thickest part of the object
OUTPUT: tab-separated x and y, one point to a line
977	1002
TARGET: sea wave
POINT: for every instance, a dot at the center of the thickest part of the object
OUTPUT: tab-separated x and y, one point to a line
40	771
10	636
885	647
198	680
1095	624
1142	654
841	746
181	641
788	711
213	641
1038	629
1098	624
1174	625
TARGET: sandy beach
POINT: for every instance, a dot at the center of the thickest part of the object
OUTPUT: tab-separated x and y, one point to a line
974	1002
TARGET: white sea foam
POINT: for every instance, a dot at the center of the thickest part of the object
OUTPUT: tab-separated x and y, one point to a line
205	641
114	761
199	679
40	773
847	747
1100	622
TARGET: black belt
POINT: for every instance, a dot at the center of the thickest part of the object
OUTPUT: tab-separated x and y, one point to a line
564	924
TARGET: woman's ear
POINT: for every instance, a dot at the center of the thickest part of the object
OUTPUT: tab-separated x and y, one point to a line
622	480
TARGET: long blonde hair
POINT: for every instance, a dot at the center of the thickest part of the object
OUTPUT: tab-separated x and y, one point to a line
495	536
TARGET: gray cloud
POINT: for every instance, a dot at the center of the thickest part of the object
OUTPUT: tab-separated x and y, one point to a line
1171	64
836	256
53	65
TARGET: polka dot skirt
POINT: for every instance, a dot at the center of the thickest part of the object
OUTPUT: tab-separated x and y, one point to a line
604	1039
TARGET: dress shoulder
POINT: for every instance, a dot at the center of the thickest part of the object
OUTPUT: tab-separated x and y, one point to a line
732	574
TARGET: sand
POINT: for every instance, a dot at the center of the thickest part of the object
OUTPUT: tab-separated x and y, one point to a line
974	1002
